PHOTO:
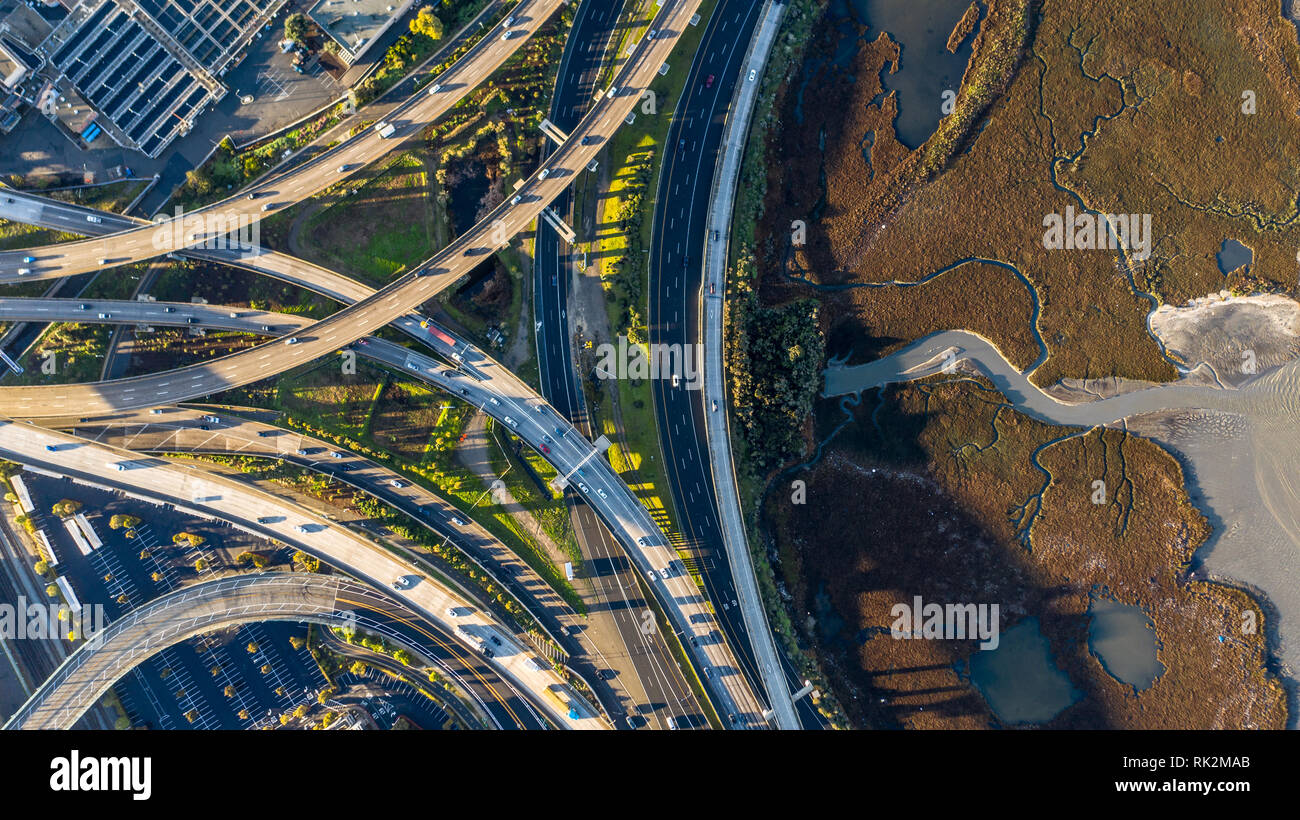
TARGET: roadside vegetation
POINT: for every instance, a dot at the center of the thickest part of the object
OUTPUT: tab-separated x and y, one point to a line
404	425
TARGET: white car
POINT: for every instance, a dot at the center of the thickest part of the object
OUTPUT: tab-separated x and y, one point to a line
512	422
93	218
753	74
292	340
602	493
435	88
544	174
401	582
299	528
456	521
663	573
398	483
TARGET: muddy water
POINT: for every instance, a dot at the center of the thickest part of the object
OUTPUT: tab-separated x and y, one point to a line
1020	680
1124	640
1239	448
926	68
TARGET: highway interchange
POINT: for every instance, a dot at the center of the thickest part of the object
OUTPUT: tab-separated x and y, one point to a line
478	379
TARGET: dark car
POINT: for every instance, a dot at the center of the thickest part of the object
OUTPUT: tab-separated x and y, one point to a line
708	83
496	640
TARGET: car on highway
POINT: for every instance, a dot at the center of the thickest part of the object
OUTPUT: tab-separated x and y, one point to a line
93	218
343	169
105	315
753	74
677	380
652	33
157	411
544	174
714	402
24	271
510	21
299	528
29	259
401	582
663	573
213	419
435	88
190	320
453	612
708	82
270	206
301	452
83	306
511	422
336	455
644	540
516	200
292	340
398	483
493	400
587	140
169	309
457	521
256	194
545	449
601	492
495	639
582	488
51	447
672	724
508	34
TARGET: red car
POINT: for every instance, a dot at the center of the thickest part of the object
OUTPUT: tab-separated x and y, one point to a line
545	449
709	82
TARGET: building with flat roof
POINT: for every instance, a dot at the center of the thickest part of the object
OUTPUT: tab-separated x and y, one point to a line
356	24
148	68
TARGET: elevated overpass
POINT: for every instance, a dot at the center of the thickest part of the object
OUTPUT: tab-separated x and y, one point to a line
265	515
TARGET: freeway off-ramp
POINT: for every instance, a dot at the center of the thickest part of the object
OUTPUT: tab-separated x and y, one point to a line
276	518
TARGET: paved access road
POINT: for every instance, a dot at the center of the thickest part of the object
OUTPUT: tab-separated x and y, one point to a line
273	517
305	180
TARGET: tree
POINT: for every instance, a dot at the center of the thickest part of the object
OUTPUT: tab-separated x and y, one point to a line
122	722
296	642
199	181
66	507
257	559
301	711
357	668
41	567
252	647
52	590
403	657
229	691
427	24
119	521
188	537
200	565
297	27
